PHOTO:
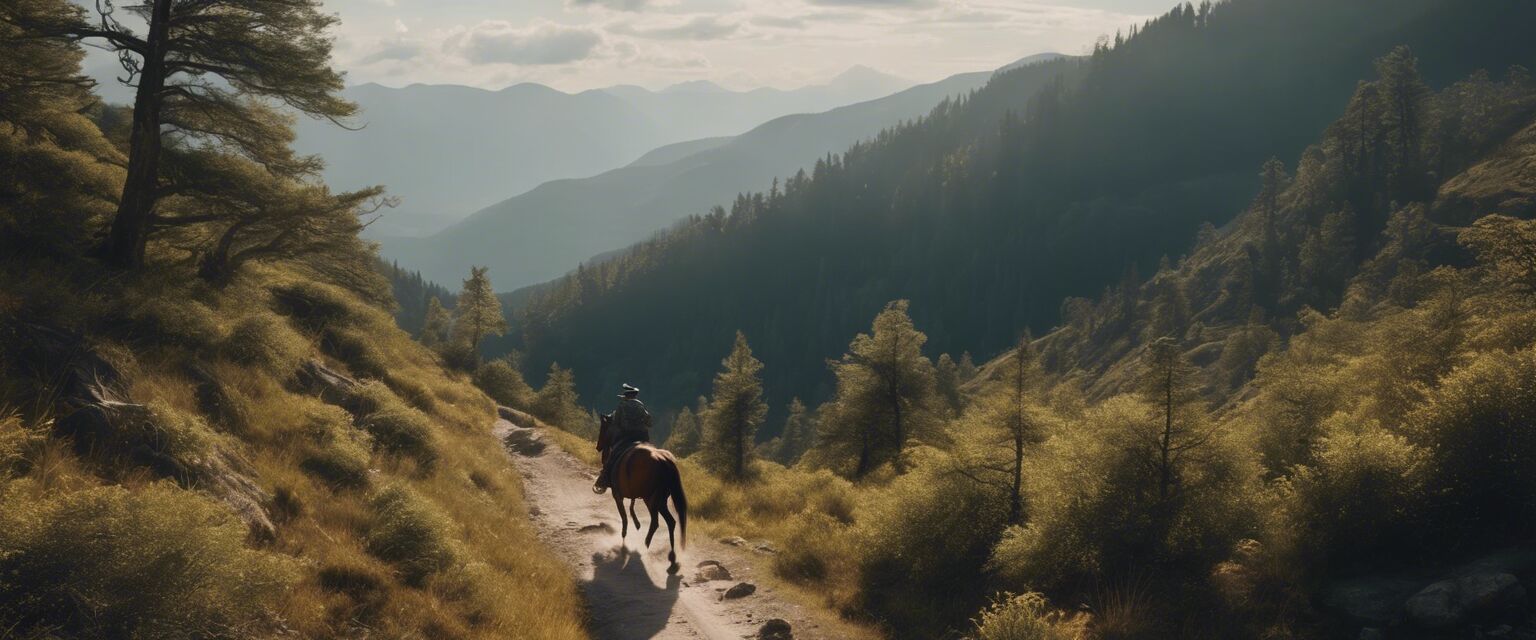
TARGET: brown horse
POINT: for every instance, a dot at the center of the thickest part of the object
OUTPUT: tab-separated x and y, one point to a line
649	474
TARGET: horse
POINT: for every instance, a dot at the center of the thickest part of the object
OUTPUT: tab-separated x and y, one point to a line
649	474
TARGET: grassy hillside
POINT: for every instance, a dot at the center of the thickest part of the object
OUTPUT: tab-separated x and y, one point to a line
237	453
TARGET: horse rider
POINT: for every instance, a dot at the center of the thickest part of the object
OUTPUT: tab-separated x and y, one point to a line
631	423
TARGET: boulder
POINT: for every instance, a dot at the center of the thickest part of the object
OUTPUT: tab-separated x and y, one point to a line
1371	600
775	629
735	541
741	590
711	571
765	549
1450	603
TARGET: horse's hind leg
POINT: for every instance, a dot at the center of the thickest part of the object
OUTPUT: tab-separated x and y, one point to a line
649	504
632	514
672	551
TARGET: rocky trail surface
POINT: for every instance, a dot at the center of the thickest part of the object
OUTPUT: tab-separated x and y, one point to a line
629	592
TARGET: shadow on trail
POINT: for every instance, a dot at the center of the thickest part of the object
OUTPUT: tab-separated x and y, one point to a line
625	604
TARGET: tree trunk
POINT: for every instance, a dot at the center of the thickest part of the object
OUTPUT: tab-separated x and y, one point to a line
130	228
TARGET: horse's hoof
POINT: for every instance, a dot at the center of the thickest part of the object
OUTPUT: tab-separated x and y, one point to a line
672	569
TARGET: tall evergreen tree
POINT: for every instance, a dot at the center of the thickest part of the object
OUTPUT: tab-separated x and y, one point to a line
736	410
798	435
947	383
558	404
683	441
1405	97
1169	385
885	397
1000	429
478	312
205	73
437	325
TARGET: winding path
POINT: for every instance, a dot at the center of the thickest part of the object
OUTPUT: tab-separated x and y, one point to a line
629	594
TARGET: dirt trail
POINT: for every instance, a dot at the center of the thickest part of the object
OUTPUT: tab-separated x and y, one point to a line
629	593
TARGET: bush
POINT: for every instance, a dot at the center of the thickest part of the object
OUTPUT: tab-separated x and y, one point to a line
1023	617
268	342
411	533
1479	423
312	305
163	319
112	563
403	431
357	350
924	539
1358	500
340	452
504	384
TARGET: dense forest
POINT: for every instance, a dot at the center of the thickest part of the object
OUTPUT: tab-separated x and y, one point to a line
1317	423
999	205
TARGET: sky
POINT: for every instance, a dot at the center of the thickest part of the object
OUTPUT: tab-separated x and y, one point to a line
575	45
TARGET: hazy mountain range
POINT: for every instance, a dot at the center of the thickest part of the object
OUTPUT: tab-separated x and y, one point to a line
551	229
448	150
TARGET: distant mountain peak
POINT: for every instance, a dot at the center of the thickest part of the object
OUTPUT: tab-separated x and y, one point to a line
860	76
696	86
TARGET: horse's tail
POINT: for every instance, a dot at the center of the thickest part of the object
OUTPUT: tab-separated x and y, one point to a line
679	499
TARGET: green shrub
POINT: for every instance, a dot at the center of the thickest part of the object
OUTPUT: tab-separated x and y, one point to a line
107	562
268	342
1022	617
172	320
815	544
403	431
312	305
1478	424
504	384
1360	499
339	452
411	533
357	350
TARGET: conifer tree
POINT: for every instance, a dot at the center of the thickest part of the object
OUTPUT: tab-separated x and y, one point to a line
947	383
1405	98
1169	385
885	397
1010	419
798	435
736	410
558	404
477	312
683	441
436	326
206	74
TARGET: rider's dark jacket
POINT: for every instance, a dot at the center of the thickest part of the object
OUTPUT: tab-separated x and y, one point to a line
631	420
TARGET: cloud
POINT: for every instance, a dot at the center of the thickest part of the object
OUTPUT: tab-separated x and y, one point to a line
696	28
778	22
888	4
541	43
616	5
397	48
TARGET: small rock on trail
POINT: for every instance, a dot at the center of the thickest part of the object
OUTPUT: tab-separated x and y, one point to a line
741	590
711	570
775	629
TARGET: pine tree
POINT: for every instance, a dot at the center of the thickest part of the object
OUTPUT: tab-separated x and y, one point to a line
558	404
478	312
683	441
885	397
1010	419
798	435
1169	385
437	325
736	410
205	74
947	383
1405	98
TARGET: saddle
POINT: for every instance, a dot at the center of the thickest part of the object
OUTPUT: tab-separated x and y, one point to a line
616	455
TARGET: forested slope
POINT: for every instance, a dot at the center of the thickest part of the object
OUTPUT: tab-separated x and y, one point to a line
993	209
